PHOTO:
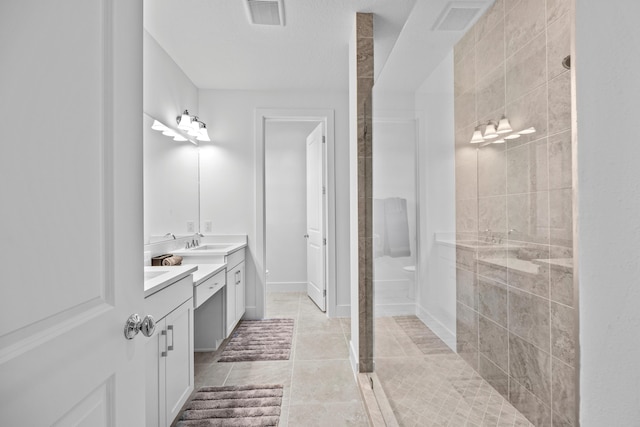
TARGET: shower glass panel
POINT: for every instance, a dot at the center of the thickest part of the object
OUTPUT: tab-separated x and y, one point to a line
394	215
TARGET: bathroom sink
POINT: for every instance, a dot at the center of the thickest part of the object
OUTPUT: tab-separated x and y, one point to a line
148	275
214	247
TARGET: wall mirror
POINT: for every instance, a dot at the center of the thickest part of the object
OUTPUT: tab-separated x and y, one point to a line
171	195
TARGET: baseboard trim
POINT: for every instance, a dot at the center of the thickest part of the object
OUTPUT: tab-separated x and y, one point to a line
383	310
353	359
343	310
437	327
251	313
286	286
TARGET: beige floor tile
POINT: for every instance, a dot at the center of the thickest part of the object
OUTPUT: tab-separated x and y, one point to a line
321	346
271	372
327	415
323	381
212	375
307	325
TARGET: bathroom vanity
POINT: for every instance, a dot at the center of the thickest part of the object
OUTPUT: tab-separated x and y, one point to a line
196	306
169	350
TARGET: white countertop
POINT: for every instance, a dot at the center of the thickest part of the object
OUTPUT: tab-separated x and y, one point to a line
208	249
205	271
158	278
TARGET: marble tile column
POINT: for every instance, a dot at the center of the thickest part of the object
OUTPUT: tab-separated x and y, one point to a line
364	67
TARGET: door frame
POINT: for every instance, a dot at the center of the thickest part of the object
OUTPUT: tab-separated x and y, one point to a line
326	117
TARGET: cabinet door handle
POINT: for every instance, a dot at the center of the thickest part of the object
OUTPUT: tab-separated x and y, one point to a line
238	277
166	341
170	328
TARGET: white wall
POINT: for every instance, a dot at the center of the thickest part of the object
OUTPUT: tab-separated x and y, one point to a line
227	170
434	108
170	167
167	90
606	63
286	203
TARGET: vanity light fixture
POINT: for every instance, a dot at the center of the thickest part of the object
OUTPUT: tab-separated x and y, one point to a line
527	131
477	136
490	131
193	126
167	131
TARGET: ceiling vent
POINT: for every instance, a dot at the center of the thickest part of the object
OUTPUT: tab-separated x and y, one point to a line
265	12
457	16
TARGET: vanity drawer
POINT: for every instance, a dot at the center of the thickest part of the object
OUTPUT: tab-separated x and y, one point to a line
165	301
208	288
235	258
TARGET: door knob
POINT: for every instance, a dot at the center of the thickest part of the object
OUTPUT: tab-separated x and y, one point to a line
134	324
148	326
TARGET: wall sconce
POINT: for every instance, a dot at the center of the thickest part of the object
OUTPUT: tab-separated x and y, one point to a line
193	126
167	131
492	131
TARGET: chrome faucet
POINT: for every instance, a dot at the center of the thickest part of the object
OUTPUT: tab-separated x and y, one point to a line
170	234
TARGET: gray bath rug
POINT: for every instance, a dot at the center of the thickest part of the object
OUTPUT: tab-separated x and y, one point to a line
248	405
427	341
253	340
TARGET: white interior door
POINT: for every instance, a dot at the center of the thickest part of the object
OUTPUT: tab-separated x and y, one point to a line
316	286
71	216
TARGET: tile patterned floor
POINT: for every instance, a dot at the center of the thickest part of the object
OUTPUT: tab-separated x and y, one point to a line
427	384
319	386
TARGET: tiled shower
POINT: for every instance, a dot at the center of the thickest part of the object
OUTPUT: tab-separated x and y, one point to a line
516	298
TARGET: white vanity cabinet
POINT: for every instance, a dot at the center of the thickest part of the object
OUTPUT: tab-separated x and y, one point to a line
235	290
169	353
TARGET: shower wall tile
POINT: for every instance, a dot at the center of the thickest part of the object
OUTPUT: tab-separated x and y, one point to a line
561	217
560	161
564	394
493	342
492	264
529	405
467	288
558	45
527	68
488	21
495	376
524	22
560	103
364	69
528	217
527	168
530	367
492	171
492	215
464	79
557	8
491	92
523	273
465	110
467	215
467	334
563	343
529	318
492	47
466	180
465	45
492	301
527	111
516	200
561	275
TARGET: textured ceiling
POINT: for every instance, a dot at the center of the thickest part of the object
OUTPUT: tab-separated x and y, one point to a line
214	44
